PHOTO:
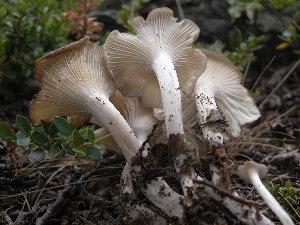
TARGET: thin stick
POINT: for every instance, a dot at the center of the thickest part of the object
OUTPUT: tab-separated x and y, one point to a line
223	192
262	73
269	139
58	186
270	121
132	9
247	69
148	137
255	143
7	219
280	83
50	178
180	10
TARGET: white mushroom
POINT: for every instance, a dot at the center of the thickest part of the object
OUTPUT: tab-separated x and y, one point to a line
219	88
252	172
75	81
157	63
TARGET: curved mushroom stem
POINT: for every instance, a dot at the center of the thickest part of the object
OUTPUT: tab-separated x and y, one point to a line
104	111
170	92
206	107
247	214
268	197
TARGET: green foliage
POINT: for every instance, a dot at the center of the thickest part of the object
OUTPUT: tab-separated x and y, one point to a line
239	51
280	16
29	29
57	138
125	13
288	196
7	133
291	37
239	7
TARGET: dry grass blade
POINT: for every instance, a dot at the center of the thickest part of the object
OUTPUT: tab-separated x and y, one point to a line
50	178
58	186
269	139
180	10
247	69
254	143
262	73
280	83
269	121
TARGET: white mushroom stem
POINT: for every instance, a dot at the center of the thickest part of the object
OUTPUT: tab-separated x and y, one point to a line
170	92
161	195
135	211
247	214
268	197
171	99
205	102
104	111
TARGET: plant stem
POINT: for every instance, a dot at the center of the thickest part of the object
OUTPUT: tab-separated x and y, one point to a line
205	102
170	92
104	111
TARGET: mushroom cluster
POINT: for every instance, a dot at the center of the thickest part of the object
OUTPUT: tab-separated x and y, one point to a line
134	82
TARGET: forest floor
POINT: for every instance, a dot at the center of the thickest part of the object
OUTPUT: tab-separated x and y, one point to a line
68	191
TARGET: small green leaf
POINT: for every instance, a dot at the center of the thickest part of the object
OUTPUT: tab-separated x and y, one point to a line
77	138
39	129
46	126
288	184
62	125
90	135
57	150
62	136
92	152
37	155
23	124
83	131
99	146
22	139
6	131
53	131
80	152
39	138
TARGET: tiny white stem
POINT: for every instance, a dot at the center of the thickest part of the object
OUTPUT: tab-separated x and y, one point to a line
104	111
268	197
170	92
247	214
205	102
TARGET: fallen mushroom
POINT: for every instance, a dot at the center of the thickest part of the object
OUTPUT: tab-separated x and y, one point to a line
252	172
219	88
147	64
75	80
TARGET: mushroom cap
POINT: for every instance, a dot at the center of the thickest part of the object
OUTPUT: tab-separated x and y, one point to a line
68	76
78	121
232	99
261	169
140	118
129	57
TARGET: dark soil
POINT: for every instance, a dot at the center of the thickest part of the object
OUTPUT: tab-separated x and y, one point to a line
67	191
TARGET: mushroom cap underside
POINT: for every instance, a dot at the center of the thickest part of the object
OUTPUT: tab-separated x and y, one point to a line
232	99
130	57
69	77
